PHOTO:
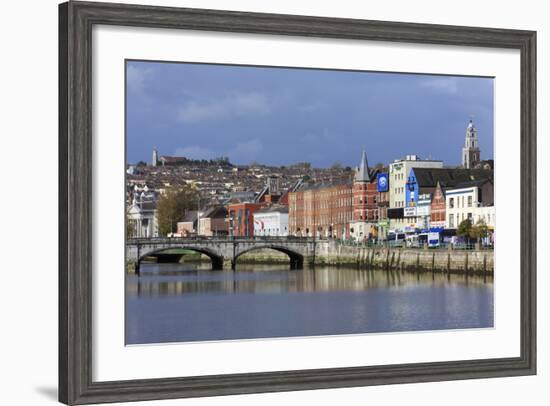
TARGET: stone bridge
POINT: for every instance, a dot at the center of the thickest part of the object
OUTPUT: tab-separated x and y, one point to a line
224	251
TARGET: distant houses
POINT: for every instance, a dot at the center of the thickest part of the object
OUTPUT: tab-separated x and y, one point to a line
408	195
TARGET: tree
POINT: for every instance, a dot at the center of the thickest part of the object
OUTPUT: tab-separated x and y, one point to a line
141	163
222	161
479	230
464	229
336	166
173	206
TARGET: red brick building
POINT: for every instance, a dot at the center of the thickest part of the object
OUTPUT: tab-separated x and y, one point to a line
437	218
365	193
365	207
241	220
321	210
336	210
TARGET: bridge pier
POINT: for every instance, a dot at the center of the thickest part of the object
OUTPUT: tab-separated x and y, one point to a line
296	263
309	260
228	264
217	263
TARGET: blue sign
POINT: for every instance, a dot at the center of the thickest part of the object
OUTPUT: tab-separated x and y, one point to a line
383	182
411	191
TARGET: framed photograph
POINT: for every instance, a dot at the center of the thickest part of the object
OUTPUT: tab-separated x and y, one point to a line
258	202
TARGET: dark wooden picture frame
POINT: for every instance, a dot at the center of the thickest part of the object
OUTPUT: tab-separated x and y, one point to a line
76	20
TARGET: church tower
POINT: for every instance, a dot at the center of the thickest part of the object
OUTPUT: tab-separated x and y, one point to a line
364	192
470	152
155	160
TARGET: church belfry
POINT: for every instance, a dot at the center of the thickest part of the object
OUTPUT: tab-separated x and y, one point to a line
470	152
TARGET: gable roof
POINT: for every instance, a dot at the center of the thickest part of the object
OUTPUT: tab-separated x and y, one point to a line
215	212
451	177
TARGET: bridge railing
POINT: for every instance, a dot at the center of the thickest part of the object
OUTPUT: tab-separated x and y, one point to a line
199	239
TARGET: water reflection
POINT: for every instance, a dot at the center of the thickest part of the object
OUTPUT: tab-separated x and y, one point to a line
170	279
174	303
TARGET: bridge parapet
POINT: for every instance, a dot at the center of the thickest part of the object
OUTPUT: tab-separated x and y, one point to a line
227	250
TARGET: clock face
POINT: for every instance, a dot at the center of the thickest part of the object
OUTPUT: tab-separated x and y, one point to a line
382	182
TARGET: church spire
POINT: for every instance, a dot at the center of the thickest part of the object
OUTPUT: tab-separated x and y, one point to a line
363	173
470	152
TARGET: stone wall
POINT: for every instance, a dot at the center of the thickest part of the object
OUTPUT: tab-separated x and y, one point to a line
408	259
384	258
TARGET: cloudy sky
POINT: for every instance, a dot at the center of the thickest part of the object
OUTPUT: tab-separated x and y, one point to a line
280	116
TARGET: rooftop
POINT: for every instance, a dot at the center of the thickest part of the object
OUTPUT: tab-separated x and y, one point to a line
451	177
274	209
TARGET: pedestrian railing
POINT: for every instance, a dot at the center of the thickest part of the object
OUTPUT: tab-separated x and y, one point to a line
403	244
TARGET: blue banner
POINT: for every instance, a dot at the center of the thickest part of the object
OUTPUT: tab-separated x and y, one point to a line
383	182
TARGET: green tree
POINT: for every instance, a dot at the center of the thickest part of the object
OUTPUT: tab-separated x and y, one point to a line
172	207
464	229
479	230
336	166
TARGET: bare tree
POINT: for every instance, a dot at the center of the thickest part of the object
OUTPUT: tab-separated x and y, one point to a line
173	206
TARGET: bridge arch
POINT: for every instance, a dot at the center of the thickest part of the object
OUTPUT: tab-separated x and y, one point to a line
217	260
296	258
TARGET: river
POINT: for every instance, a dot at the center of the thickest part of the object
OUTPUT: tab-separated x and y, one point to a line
189	302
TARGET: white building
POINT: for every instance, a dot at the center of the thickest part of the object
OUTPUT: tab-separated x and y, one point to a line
142	219
399	171
465	203
271	221
419	216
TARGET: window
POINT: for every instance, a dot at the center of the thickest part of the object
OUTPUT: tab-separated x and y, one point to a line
451	220
469	201
452	203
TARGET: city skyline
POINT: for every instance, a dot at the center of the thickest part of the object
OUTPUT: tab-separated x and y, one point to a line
280	116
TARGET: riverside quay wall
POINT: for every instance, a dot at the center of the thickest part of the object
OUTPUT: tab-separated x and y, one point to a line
410	259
